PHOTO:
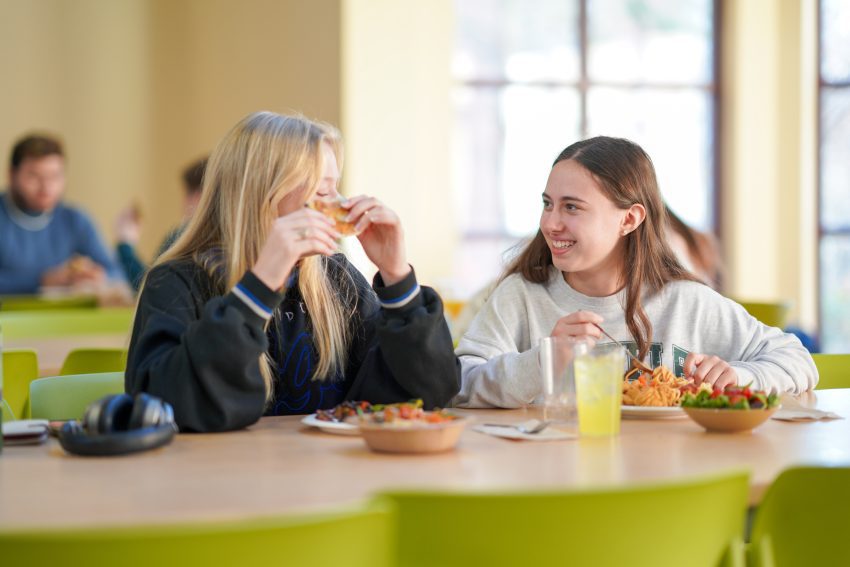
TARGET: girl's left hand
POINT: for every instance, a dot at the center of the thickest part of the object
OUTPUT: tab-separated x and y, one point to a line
379	231
709	369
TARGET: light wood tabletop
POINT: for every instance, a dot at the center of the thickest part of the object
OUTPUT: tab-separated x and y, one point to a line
280	466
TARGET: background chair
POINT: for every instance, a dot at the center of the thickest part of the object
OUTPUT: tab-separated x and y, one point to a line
802	519
91	360
634	526
353	538
774	314
60	398
20	367
833	369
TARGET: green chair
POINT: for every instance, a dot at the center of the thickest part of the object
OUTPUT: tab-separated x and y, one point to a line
774	314
65	322
61	398
833	370
20	367
694	522
90	360
358	537
802	519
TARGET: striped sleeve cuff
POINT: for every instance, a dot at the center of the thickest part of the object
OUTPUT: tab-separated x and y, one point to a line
399	295
256	297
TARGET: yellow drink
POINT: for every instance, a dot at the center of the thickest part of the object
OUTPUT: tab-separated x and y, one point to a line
599	391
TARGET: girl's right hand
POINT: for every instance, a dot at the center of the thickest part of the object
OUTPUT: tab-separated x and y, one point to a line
579	326
294	236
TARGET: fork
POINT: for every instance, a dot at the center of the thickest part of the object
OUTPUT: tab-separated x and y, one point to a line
523	427
635	359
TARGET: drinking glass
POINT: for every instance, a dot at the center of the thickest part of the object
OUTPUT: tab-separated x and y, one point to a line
558	384
599	391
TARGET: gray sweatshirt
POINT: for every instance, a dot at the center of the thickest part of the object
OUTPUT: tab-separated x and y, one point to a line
499	352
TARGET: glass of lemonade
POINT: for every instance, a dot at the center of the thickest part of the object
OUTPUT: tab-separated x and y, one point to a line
599	389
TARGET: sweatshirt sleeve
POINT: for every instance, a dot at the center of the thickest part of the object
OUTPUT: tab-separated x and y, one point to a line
202	358
766	357
499	367
402	347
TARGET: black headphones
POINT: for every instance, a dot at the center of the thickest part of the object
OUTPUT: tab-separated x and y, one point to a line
120	424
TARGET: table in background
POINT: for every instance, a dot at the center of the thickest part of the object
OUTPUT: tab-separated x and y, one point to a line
279	466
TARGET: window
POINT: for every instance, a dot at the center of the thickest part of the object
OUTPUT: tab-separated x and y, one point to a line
532	78
834	178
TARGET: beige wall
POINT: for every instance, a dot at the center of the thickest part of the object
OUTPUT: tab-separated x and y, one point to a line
140	88
80	70
769	153
397	120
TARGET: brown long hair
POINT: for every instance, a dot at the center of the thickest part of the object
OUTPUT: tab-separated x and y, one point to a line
626	176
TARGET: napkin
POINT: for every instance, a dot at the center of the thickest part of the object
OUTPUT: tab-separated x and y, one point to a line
548	434
792	410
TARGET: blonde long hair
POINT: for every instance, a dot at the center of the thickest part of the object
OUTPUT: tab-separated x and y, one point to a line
265	157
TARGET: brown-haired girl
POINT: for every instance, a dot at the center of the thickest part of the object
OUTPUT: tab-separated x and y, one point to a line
601	257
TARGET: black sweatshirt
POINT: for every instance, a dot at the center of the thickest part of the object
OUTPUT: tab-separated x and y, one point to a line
199	350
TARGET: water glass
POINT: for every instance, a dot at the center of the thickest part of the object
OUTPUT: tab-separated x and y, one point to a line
558	385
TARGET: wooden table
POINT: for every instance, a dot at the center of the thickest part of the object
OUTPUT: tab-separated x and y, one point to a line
280	466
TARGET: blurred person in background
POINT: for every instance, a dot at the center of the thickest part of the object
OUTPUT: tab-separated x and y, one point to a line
696	251
44	242
128	225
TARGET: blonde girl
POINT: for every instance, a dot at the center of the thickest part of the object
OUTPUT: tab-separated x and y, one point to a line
253	312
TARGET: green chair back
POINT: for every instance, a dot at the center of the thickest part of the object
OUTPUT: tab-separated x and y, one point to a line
360	537
833	370
645	525
20	367
772	314
802	519
64	323
61	398
91	360
39	302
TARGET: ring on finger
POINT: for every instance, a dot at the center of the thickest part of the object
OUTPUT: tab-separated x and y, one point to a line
302	234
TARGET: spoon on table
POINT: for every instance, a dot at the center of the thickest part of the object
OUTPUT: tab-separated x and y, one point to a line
527	427
635	359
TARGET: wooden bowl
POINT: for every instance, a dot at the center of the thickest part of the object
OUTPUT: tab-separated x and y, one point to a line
412	437
729	420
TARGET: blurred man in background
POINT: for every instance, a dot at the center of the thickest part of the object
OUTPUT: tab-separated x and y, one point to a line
43	242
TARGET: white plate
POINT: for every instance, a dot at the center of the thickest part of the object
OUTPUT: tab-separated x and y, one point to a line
336	427
651	412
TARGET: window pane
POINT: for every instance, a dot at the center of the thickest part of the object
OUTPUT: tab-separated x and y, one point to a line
476	155
655	41
835	293
539	123
515	40
505	141
835	39
835	158
674	127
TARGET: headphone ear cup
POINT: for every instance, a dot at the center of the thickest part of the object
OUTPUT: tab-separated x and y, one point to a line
146	411
114	414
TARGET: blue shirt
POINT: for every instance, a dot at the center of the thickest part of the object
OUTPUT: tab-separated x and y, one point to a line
28	249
